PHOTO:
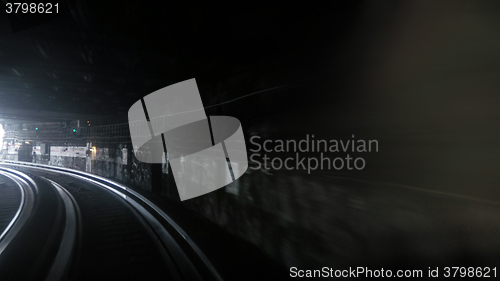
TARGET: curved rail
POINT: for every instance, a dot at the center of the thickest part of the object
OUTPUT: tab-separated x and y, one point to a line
62	260
25	206
135	199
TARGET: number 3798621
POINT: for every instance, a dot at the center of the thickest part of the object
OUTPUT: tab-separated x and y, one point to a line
31	8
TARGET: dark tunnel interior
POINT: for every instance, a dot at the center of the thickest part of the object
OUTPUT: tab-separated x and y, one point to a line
307	139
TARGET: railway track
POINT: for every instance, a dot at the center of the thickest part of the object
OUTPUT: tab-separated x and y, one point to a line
62	224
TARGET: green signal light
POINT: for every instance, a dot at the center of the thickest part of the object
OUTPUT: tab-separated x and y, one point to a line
74	130
36	129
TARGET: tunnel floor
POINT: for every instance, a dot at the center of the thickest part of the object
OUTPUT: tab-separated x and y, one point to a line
113	240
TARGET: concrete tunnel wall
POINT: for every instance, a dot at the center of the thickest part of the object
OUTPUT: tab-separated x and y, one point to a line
272	211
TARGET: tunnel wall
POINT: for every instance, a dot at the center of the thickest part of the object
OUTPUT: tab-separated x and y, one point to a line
107	162
296	218
287	215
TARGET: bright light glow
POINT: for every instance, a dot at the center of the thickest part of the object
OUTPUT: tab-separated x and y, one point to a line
1	137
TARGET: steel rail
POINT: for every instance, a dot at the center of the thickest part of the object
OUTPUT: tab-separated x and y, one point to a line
63	258
25	207
163	234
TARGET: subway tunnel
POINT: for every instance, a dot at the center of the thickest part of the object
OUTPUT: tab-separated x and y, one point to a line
249	141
